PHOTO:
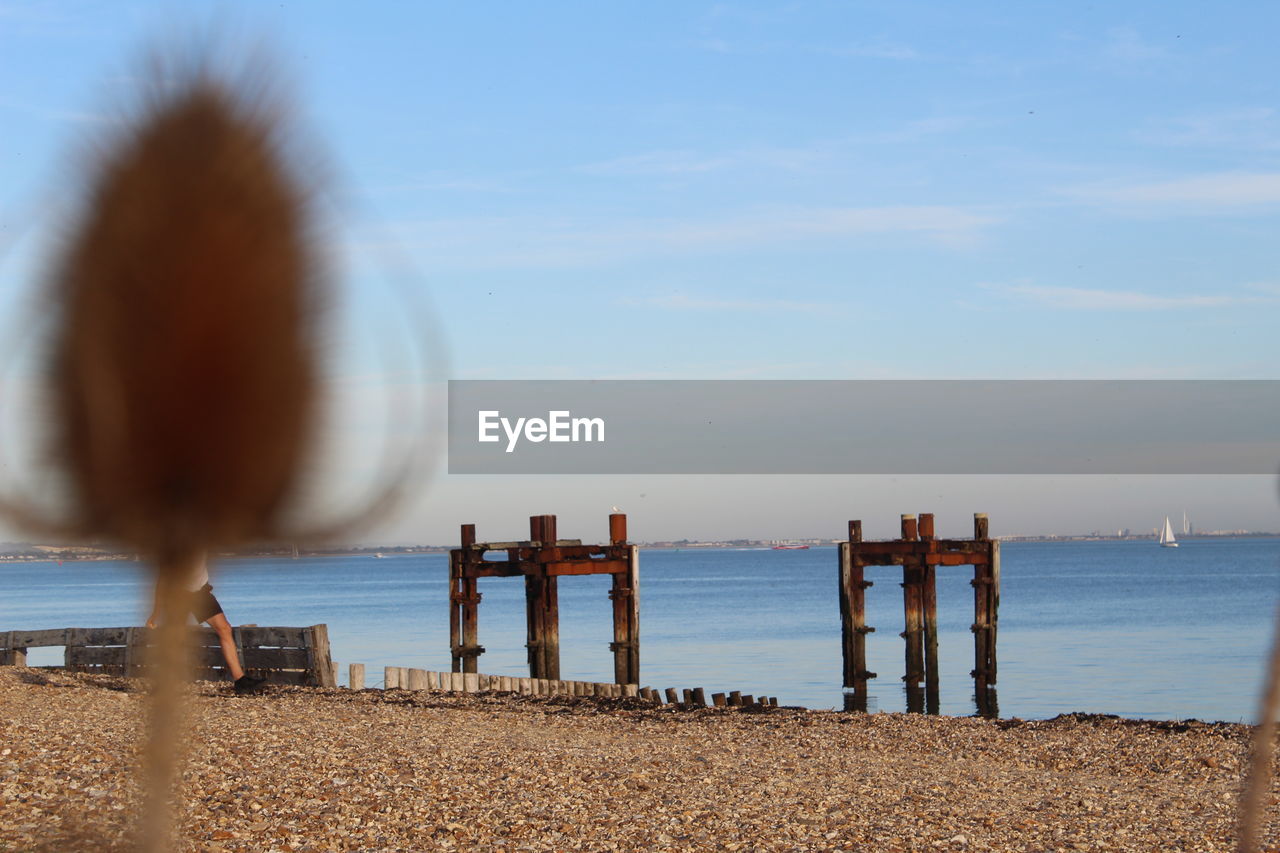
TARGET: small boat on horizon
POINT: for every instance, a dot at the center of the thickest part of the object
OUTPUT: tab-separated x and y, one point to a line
791	547
1166	535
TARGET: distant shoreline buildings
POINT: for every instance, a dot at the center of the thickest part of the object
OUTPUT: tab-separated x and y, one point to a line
29	552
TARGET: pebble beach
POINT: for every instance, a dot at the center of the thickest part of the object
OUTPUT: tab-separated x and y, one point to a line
305	769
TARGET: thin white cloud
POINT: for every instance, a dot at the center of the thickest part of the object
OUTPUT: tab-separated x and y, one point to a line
1126	45
659	163
56	114
1251	128
685	302
876	49
1211	192
818	154
713	45
1088	299
504	242
948	224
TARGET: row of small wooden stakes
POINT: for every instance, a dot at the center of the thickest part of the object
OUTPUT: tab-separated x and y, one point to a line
404	678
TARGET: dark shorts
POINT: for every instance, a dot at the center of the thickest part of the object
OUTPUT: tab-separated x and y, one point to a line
202	605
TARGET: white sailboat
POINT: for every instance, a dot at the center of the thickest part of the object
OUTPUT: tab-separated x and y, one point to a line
1166	535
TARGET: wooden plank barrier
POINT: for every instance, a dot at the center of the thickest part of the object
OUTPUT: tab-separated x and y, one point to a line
281	655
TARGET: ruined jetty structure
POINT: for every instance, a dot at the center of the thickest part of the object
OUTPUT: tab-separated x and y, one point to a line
920	553
542	560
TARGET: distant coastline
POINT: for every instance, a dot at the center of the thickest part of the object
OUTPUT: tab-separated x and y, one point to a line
31	552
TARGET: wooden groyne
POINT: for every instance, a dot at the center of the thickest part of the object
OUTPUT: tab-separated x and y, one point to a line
920	553
300	656
416	680
281	655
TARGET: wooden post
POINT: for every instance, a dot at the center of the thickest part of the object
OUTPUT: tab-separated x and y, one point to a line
319	663
853	620
456	562
912	606
848	616
542	606
625	595
533	607
470	611
983	598
464	606
355	676
929	604
551	605
993	610
979	582
930	596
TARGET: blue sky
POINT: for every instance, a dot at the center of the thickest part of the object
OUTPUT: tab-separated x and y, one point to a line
764	190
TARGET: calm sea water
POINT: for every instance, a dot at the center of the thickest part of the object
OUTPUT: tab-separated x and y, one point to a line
1112	627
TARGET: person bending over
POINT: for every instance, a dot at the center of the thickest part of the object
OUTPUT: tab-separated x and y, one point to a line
198	600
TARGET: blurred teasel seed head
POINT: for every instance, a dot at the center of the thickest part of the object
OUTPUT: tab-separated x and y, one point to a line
183	362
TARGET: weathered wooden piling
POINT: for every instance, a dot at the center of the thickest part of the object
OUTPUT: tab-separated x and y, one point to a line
355	676
929	606
986	604
464	608
542	603
853	614
625	595
542	561
913	605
